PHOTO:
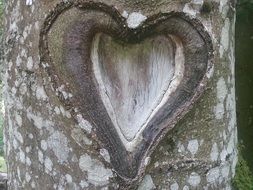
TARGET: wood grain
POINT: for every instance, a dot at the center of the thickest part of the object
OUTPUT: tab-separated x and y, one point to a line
134	79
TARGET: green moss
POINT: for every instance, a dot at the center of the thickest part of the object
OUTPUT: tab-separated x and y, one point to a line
206	7
243	179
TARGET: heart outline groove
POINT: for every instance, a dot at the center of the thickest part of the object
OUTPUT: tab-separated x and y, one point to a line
77	66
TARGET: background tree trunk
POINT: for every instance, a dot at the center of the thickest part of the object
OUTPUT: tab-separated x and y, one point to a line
46	149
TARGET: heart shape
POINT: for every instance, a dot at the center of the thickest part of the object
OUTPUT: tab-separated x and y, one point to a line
135	79
131	84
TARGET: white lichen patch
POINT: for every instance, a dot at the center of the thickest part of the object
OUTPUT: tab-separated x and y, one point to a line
231	57
26	32
29	63
214	152
22	156
23	53
61	182
48	164
189	9
135	19
28	161
58	142
39	121
225	171
193	146
192	8
147	161
18	119
230	105
84	124
125	14
64	112
74	158
15	144
33	185
23	89
40	93
83	184
194	179
213	175
224	37
80	138
57	110
43	145
147	183
222	4
174	186
27	177
29	2
28	149
18	60
224	135
97	174
181	148
68	178
18	174
231	143
18	136
65	94
40	157
223	155
14	90
30	136
219	109
105	154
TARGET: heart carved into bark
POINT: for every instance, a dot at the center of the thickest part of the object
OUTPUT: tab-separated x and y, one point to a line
131	84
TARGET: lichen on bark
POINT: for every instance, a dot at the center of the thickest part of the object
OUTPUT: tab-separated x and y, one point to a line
46	148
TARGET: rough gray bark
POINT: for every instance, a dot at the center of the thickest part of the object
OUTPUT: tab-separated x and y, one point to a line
47	148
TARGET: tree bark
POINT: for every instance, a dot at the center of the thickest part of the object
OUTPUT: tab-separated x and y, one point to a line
49	144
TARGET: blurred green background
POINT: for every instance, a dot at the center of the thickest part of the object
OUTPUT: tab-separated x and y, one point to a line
244	93
244	78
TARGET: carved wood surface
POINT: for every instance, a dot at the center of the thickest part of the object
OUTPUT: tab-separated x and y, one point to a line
132	84
135	80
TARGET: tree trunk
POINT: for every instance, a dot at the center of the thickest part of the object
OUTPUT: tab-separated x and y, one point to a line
81	114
